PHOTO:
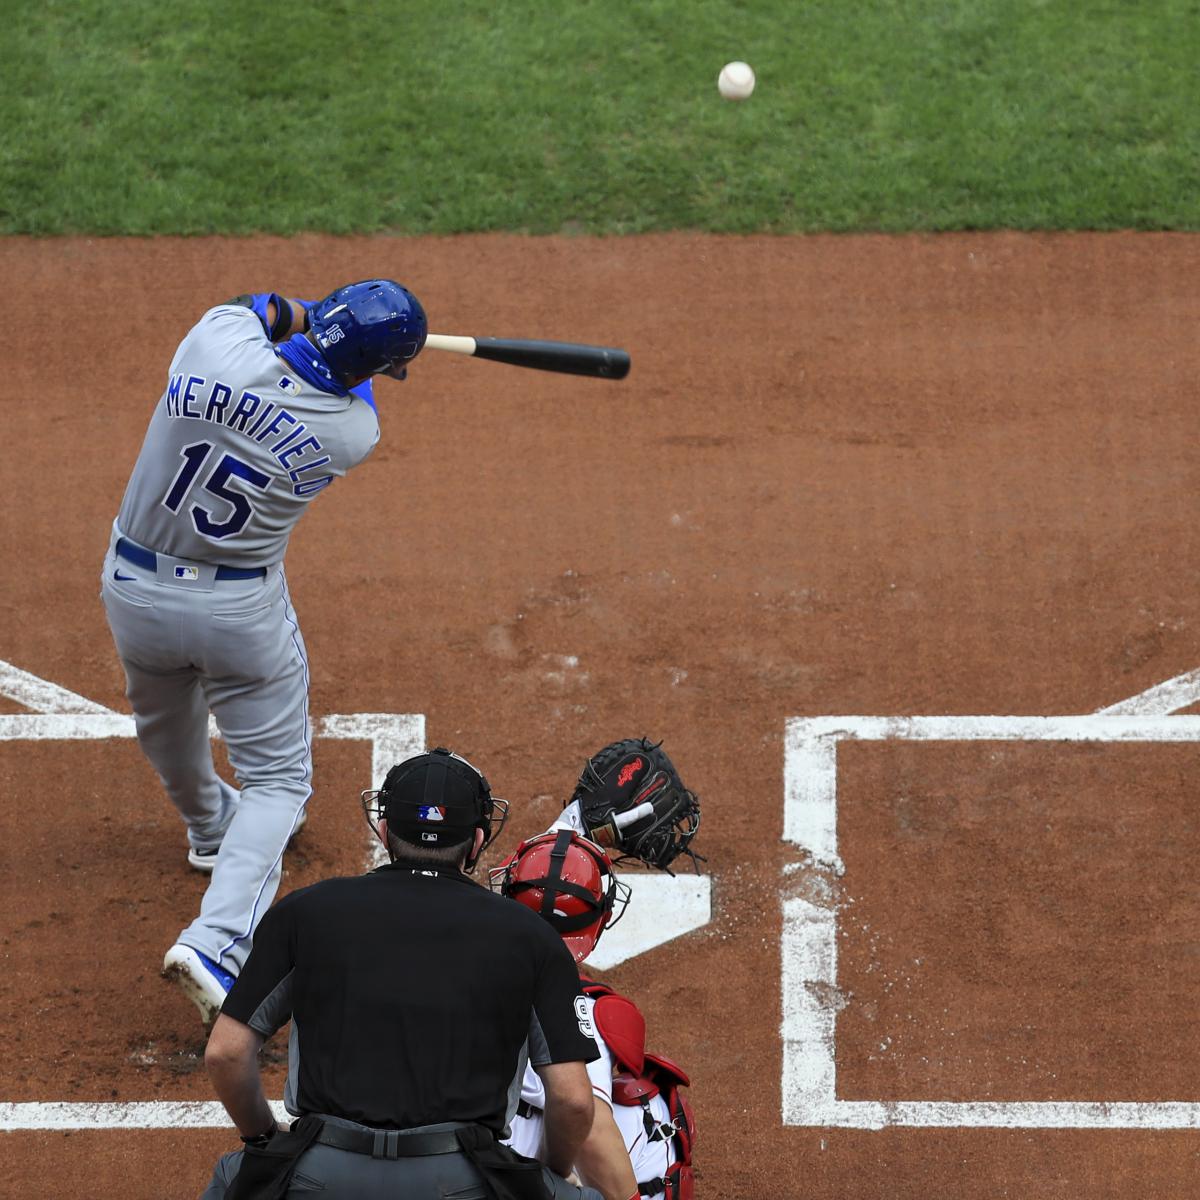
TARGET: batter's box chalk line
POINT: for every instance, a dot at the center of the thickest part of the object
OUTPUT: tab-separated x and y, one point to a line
808	960
667	907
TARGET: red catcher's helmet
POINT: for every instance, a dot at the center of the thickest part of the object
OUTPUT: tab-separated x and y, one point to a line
568	881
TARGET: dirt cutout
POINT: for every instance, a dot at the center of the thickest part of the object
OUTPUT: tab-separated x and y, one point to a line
846	476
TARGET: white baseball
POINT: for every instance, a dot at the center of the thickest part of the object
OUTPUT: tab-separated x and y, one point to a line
736	81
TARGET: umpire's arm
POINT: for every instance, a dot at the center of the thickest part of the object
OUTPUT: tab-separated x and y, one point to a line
560	1046
259	1003
231	1058
603	1161
568	1112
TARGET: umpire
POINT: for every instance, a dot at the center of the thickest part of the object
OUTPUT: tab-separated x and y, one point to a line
414	996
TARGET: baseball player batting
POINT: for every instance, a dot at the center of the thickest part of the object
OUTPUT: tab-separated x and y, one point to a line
268	401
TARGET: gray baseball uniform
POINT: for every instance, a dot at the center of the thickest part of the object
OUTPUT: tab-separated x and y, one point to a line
242	439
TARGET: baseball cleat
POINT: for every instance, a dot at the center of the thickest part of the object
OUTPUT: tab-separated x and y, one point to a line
203	982
205	860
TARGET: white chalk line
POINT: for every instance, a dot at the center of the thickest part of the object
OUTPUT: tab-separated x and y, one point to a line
1169	697
810	756
809	970
41	695
809	939
1000	1114
132	1114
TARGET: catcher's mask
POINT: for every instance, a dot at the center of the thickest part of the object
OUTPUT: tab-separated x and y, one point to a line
569	882
635	803
436	799
368	327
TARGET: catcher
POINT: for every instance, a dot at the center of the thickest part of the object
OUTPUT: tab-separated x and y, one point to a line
640	1142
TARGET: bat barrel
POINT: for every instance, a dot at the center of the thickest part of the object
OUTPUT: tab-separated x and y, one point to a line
570	358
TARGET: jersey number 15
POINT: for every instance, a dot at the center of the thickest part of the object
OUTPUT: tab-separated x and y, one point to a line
217	484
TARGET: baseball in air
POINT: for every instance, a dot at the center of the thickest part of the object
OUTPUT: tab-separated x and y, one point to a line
736	81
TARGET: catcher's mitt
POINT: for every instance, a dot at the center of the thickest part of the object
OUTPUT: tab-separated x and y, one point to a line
632	801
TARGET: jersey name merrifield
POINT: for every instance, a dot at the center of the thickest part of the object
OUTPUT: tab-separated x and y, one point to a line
237	447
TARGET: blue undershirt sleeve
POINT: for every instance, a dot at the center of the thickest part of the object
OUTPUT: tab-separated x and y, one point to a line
258	306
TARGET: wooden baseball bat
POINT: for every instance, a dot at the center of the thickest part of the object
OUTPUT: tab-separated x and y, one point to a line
569	358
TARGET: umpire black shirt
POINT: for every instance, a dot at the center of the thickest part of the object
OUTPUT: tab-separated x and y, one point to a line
411	992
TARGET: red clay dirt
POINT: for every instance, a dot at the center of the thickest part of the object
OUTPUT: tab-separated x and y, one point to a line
876	476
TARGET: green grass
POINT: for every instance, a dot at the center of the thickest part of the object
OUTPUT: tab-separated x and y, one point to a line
132	116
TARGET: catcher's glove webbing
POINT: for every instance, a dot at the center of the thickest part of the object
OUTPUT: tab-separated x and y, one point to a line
632	801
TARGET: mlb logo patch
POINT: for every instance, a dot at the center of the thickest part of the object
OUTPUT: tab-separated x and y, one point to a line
431	812
428	837
288	385
187	573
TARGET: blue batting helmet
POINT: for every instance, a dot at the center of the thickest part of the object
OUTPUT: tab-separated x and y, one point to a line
367	327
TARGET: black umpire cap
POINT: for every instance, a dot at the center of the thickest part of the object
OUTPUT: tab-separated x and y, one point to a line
435	799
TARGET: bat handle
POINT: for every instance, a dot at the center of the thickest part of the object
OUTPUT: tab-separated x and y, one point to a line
451	342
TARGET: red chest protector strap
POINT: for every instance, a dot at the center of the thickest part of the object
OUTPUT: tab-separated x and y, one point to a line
639	1079
679	1183
661	1077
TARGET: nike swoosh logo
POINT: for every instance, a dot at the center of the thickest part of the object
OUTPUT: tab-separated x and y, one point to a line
124	578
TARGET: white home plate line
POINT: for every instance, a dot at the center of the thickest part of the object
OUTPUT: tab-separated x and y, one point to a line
1181	692
662	908
41	695
809	946
133	1114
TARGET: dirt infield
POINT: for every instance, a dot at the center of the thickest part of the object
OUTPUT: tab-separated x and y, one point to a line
847	476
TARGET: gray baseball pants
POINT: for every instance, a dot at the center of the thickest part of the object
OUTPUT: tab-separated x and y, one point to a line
191	644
